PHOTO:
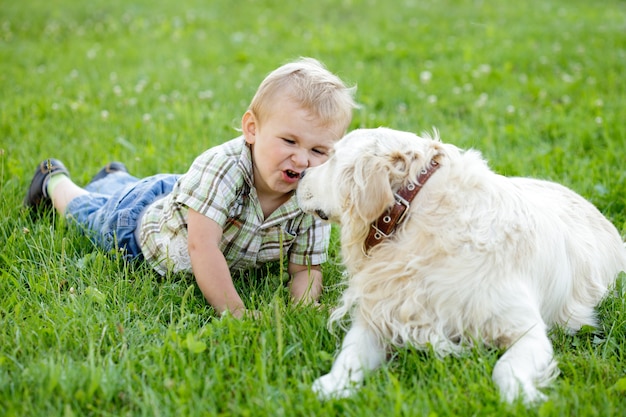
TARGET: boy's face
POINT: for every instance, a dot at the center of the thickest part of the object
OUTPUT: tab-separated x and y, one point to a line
288	141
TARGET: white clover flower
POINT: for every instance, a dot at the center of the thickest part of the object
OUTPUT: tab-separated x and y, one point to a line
205	95
484	68
482	100
141	85
237	37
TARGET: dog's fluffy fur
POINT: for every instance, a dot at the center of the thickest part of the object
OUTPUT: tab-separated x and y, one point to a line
479	258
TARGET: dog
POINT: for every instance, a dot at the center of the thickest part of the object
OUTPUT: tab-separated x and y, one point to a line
470	257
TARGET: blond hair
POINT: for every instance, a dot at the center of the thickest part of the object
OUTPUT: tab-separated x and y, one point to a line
312	86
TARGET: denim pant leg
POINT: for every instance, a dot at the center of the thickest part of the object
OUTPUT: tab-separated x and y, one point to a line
112	183
110	220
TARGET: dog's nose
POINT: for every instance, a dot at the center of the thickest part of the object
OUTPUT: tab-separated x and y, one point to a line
321	214
302	174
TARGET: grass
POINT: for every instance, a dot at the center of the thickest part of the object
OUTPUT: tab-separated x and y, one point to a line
537	86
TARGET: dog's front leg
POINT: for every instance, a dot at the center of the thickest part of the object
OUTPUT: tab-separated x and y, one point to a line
361	351
526	365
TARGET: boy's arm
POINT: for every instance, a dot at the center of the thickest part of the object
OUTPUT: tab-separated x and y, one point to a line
209	265
306	282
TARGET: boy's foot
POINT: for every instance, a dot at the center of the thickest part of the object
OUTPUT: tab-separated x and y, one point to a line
37	196
110	168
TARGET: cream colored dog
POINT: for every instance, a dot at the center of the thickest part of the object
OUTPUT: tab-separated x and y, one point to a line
477	257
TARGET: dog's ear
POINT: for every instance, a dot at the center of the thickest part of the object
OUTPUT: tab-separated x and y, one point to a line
408	164
400	164
372	192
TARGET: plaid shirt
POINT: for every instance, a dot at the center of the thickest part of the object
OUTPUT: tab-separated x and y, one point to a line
219	185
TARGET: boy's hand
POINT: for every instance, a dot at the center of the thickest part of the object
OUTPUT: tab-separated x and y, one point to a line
242	313
306	283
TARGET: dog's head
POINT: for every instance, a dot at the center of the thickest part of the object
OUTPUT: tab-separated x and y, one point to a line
358	181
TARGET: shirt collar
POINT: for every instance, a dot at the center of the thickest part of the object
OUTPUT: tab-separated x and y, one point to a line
245	163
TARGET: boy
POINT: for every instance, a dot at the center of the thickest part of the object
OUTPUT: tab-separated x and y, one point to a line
235	208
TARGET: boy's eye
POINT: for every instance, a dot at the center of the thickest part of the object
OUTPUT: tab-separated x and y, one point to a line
319	152
289	141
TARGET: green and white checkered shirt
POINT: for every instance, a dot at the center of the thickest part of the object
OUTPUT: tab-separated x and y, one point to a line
219	185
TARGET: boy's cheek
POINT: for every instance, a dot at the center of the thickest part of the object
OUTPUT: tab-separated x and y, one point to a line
314	162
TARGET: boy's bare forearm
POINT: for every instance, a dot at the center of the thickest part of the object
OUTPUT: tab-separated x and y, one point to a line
215	282
209	265
219	291
306	284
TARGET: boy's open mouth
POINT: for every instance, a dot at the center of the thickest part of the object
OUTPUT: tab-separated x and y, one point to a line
292	174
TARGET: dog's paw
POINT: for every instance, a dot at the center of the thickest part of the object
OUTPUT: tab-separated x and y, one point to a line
528	393
535	398
328	387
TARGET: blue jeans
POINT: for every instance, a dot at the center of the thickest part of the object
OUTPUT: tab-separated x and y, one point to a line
108	214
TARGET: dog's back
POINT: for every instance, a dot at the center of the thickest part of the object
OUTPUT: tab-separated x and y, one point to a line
584	248
543	230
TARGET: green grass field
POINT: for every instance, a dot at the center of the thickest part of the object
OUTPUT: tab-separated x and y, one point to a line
538	86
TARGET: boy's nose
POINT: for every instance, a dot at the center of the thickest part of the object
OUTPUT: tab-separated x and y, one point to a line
301	158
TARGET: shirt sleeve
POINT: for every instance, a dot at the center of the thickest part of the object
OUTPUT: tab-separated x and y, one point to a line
311	244
209	187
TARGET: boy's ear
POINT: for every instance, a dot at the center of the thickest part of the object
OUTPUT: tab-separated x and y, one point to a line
249	126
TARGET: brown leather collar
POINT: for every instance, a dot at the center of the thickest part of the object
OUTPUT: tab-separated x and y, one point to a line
387	223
